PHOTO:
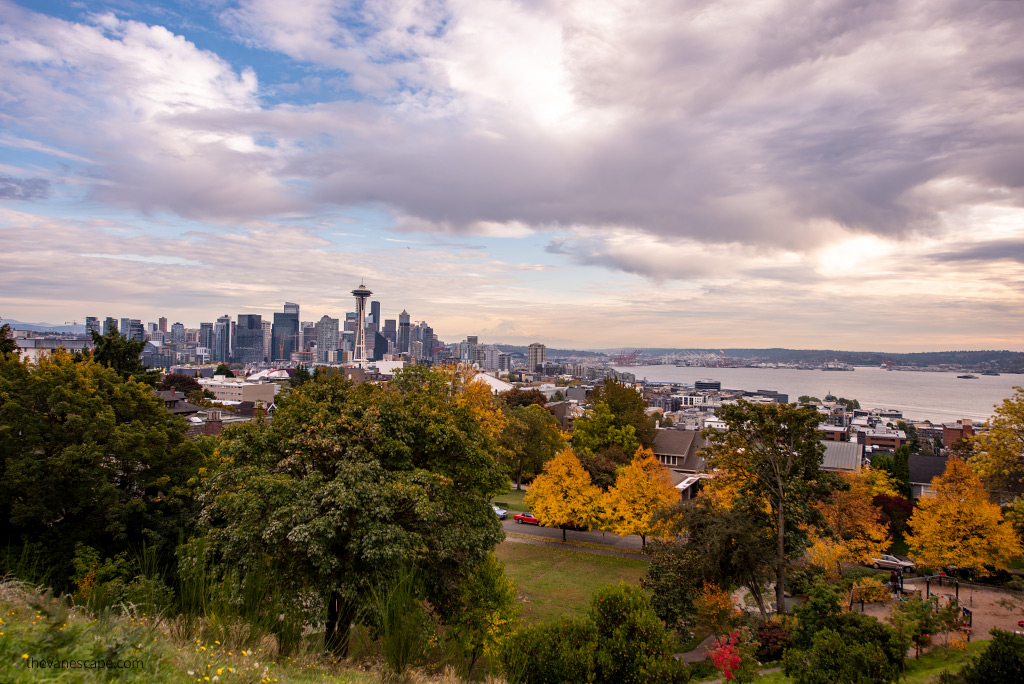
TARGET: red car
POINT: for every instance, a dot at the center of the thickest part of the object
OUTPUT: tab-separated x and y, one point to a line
527	518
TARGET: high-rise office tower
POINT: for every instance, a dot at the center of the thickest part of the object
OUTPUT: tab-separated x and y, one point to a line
268	327
375	316
205	337
285	332
109	323
390	331
404	332
427	338
361	294
162	323
92	323
178	333
221	340
535	357
136	331
327	337
248	347
125	327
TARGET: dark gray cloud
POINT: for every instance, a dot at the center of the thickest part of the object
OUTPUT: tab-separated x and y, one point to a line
24	188
992	250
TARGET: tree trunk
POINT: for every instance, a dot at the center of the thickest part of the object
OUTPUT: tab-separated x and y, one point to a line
340	613
780	564
643	542
755	591
563	532
519	478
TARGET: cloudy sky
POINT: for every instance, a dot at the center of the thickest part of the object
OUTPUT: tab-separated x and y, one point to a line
687	173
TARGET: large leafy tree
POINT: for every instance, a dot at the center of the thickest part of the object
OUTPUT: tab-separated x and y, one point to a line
713	544
89	458
350	483
641	490
857	528
532	437
999	451
628	407
563	495
116	351
186	384
770	457
959	526
600	430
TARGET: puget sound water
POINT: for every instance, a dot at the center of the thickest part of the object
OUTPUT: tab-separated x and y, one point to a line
938	397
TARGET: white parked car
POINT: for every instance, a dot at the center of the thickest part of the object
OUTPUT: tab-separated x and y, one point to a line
893	563
499	511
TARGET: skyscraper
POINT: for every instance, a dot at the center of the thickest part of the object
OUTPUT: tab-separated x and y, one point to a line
110	323
248	347
403	332
327	338
206	337
222	339
391	331
178	333
375	316
361	294
126	327
135	330
285	332
535	358
268	327
92	323
162	324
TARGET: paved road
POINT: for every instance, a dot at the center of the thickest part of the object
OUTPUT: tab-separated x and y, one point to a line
630	543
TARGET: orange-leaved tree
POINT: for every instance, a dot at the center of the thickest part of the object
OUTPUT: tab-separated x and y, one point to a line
642	487
857	527
563	495
958	526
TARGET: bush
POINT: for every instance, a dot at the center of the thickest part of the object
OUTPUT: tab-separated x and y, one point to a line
836	658
801	578
773	638
620	640
704	670
858	572
1001	661
870	589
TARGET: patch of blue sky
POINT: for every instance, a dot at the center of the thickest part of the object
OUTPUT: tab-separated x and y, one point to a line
282	80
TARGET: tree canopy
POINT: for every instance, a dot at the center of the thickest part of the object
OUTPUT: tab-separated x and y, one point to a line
770	458
532	437
628	408
225	370
641	490
89	458
959	526
351	483
120	353
563	495
185	384
7	343
999	451
523	397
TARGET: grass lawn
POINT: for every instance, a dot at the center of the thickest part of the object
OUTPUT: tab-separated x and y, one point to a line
557	582
512	501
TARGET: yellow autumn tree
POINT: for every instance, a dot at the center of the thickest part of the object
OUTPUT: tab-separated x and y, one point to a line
999	451
959	526
641	488
563	495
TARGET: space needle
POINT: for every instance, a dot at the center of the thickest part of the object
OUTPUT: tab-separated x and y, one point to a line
361	294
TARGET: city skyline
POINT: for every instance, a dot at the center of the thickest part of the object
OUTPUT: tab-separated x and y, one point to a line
757	175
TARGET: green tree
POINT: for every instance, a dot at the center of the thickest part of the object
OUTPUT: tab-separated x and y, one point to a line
349	483
87	458
597	432
831	658
185	384
901	470
1001	661
628	407
532	437
225	370
116	351
911	431
300	376
7	343
999	451
771	455
488	612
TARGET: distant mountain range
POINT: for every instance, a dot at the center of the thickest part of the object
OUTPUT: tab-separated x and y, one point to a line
44	327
